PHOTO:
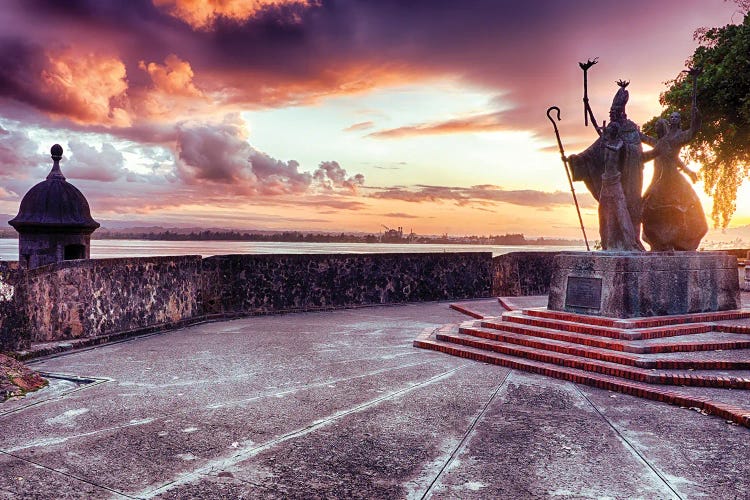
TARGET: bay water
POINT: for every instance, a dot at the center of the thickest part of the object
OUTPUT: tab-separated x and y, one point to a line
102	249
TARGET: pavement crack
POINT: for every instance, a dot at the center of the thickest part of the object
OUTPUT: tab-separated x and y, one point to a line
67	474
60	440
630	445
242	455
465	438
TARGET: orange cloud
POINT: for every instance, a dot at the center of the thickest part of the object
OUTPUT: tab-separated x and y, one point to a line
270	89
201	14
359	126
174	77
173	94
87	88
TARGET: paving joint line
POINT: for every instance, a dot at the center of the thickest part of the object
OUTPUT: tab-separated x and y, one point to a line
322	383
222	464
628	443
463	441
66	474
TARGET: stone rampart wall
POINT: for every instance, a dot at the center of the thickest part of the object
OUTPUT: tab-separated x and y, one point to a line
88	298
14	333
93	298
522	273
257	284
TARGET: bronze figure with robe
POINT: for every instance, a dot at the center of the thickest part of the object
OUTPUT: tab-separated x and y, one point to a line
589	167
673	217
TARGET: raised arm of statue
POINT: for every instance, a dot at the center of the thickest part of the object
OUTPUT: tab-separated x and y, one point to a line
695	116
684	136
651	141
693	175
647	156
647	139
590	112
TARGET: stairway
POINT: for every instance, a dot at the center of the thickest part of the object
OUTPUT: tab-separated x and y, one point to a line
694	360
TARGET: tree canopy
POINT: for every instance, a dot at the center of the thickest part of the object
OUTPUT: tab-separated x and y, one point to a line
722	146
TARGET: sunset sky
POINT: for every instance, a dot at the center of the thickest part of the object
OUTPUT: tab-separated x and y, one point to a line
330	115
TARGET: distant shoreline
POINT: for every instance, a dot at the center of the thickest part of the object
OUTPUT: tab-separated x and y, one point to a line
390	237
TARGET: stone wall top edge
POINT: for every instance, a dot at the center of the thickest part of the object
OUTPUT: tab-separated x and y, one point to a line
319	256
643	265
522	253
644	255
85	263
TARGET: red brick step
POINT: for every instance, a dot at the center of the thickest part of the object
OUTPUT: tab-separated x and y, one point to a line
687	378
674	344
637	356
607	331
632	323
737	414
709	360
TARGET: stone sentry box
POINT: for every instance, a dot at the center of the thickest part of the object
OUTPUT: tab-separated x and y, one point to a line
635	284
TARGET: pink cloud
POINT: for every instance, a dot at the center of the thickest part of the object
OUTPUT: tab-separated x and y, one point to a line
359	126
481	195
485	122
331	177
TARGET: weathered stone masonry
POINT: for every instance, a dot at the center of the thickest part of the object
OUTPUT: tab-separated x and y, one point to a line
14	330
93	298
88	298
522	273
258	284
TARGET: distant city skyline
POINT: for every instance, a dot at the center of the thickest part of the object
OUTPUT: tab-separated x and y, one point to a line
325	115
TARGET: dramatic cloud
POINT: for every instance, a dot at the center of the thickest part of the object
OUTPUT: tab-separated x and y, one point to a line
87	88
174	77
278	177
480	195
281	52
330	176
86	162
202	14
19	156
220	154
215	153
161	74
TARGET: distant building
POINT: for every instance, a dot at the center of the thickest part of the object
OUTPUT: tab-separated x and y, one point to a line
396	235
54	221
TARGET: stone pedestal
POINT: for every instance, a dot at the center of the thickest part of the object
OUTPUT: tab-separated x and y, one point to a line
641	284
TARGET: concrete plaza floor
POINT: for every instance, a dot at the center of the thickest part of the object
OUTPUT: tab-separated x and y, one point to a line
338	405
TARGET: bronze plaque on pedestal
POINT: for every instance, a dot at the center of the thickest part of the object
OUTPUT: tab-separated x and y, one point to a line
583	292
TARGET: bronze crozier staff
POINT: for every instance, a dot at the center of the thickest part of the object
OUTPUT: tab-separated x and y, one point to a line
567	170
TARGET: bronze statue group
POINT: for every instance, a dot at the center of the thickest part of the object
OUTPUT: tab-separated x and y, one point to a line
612	169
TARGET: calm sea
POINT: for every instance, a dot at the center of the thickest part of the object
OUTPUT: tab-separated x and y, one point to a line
101	249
